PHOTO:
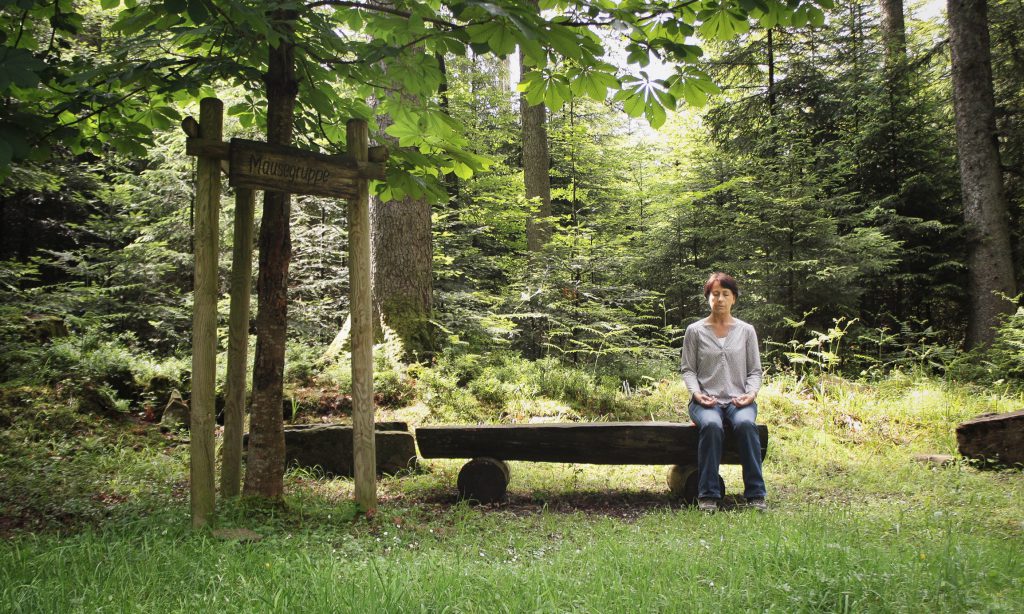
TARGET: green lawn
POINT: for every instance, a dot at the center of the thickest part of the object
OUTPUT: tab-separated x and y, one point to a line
855	525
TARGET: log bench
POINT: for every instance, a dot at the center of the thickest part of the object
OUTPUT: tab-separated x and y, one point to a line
485	477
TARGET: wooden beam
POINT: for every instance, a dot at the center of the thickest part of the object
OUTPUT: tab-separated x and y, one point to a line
378	154
204	319
238	344
220	150
373	168
363	444
191	127
607	443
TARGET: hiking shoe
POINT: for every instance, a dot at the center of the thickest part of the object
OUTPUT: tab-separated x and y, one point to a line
758	504
707	505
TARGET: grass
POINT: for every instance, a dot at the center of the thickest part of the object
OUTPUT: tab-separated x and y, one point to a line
856	525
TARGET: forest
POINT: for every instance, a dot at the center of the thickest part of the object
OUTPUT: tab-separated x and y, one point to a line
563	176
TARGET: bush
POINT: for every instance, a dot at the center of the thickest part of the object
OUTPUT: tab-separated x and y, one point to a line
1007	353
1002	363
393	388
300	363
97	359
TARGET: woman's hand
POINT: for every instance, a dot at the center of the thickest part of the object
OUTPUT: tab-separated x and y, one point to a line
705	400
743	400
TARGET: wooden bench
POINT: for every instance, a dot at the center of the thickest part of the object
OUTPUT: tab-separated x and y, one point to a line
485	477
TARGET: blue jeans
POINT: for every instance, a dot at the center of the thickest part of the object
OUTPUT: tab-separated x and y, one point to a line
711	435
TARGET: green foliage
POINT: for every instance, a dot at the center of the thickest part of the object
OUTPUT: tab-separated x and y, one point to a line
862	150
1007	353
1001	365
393	384
149	58
64	469
504	387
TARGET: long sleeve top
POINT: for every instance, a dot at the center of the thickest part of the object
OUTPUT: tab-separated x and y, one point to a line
722	368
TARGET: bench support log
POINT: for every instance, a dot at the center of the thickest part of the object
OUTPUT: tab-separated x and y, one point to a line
484	480
682	483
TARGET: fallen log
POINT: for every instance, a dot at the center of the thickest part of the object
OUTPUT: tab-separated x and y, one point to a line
996	439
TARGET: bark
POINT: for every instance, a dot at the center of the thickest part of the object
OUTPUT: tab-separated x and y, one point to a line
986	210
536	164
402	268
894	31
264	475
771	72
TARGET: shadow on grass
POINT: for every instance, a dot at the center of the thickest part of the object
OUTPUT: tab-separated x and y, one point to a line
613	503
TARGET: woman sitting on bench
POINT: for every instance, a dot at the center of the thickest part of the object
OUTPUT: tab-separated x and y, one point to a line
721	366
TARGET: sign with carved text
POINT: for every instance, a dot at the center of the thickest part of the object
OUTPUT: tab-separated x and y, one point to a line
261	166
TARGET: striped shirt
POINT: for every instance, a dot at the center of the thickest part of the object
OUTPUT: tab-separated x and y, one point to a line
722	368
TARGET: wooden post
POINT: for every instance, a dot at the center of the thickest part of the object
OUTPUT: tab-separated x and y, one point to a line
363	444
204	318
238	344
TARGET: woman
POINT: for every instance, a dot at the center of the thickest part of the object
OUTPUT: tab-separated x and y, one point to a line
722	370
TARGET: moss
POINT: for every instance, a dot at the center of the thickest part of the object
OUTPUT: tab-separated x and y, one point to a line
413	326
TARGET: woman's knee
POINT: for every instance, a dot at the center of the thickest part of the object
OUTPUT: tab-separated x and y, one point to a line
711	424
744	425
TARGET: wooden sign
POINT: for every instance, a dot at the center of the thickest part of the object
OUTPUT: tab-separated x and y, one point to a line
286	169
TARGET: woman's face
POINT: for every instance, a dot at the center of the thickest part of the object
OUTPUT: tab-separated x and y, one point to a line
721	299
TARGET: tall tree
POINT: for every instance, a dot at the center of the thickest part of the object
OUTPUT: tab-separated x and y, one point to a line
986	210
894	30
536	167
264	475
401	265
1006	26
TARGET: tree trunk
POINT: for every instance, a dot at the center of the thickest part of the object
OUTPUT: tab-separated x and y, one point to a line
401	267
402	270
894	37
986	210
402	263
771	72
264	476
894	31
536	165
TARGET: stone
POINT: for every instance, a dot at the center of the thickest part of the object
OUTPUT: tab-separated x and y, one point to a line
157	388
941	460
176	416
